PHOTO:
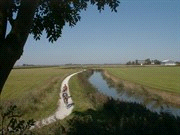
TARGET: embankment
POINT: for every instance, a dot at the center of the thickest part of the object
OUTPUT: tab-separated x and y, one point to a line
137	89
96	114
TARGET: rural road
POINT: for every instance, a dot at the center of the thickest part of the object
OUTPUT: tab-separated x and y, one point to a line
63	109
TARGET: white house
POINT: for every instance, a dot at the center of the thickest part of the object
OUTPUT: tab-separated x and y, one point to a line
168	63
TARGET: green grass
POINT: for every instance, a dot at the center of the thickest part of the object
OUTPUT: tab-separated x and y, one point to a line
163	78
84	95
79	95
35	91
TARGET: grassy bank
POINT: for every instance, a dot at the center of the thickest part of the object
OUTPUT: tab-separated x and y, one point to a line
35	91
95	114
162	78
85	98
84	95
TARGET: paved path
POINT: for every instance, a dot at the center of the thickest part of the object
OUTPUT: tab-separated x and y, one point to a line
63	110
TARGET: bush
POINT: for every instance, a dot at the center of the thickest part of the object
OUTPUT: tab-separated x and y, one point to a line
11	122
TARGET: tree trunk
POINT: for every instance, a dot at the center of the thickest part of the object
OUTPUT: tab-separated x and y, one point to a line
8	57
11	46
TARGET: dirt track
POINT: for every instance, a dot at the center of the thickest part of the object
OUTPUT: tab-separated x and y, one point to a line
63	109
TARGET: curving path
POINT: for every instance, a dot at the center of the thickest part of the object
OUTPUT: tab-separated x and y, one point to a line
63	110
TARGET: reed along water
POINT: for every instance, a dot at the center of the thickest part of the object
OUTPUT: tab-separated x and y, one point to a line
101	84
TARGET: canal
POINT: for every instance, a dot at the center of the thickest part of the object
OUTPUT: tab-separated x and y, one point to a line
101	84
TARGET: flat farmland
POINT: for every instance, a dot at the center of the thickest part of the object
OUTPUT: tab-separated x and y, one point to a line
162	78
35	90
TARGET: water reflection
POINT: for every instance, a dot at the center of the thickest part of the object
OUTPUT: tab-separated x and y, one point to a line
97	80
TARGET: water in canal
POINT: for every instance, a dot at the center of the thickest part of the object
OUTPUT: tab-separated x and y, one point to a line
97	80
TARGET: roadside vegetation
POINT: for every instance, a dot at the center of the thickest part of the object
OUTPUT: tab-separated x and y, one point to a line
35	91
97	114
86	99
84	94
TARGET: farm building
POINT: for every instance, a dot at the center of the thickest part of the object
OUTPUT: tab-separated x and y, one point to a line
168	63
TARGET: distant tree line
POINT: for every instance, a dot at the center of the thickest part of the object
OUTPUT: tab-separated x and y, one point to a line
177	63
144	62
25	65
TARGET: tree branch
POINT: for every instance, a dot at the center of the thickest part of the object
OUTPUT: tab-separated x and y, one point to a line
3	20
24	20
10	17
12	47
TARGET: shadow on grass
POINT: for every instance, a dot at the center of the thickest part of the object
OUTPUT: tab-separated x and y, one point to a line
117	117
123	118
111	117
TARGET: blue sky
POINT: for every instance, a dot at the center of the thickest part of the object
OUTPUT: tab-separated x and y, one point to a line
139	30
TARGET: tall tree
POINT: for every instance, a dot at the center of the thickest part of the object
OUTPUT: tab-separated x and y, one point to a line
148	61
36	16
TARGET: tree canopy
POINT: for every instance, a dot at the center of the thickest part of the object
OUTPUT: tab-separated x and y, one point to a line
33	17
52	15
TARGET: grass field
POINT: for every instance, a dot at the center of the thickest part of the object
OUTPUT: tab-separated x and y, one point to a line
163	78
84	96
35	90
112	117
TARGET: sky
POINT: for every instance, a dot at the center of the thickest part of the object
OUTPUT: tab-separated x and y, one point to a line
140	29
